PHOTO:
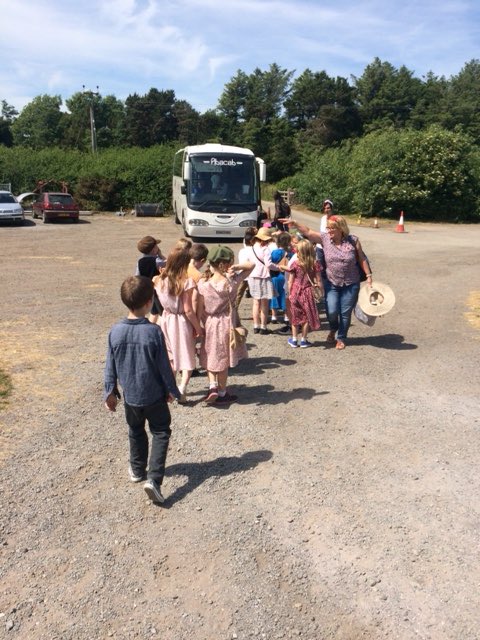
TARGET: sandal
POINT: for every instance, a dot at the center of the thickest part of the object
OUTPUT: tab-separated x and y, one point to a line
331	337
340	345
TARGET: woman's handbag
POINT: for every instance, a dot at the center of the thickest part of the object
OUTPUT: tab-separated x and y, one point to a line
353	241
238	335
317	292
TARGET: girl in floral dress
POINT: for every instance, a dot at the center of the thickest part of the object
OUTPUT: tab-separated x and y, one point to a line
179	321
216	308
303	276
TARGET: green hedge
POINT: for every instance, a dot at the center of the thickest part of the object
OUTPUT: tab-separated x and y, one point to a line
104	181
432	174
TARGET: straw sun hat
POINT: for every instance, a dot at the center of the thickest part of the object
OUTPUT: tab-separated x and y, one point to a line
376	300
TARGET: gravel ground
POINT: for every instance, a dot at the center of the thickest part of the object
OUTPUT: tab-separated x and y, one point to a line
337	500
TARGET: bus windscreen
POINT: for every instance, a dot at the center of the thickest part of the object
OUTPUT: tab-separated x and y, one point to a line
222	180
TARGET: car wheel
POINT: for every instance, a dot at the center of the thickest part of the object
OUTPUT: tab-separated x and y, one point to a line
34	215
177	219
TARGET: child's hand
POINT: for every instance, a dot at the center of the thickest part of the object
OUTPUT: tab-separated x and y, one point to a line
111	402
170	398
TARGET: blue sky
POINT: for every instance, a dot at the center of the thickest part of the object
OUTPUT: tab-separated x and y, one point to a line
196	46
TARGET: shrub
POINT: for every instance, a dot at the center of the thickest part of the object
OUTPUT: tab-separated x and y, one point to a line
431	174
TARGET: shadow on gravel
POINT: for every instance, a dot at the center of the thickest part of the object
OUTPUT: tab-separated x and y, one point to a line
25	223
262	394
257	366
198	472
387	341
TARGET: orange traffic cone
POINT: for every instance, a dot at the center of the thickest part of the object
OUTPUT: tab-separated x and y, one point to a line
400	228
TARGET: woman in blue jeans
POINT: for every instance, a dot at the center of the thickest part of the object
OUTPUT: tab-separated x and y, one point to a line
343	258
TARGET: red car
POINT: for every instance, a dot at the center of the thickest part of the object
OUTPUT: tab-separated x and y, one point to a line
49	205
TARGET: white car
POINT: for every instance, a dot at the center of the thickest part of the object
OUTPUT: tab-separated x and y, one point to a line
10	209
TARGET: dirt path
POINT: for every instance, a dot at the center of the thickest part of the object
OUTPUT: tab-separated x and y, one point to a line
337	500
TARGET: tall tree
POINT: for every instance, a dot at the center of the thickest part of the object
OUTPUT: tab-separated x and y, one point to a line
39	124
150	119
464	99
386	95
77	130
432	104
188	122
250	104
6	119
266	93
231	104
323	107
309	92
210	127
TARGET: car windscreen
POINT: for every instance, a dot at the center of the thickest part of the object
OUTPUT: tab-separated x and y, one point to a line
60	198
7	198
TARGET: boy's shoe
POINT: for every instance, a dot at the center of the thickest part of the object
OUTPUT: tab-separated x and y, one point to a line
226	399
284	330
134	477
305	343
265	332
292	342
152	489
211	396
274	320
182	399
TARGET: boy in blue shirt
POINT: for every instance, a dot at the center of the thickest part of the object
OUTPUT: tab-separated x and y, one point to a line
137	359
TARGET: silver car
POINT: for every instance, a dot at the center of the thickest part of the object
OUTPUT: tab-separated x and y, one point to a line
10	209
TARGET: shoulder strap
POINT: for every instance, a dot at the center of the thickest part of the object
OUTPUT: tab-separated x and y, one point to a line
258	257
353	241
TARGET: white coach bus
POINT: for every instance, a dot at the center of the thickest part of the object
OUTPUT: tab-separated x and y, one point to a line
216	190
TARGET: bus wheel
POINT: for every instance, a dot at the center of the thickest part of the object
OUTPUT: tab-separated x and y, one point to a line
177	219
187	235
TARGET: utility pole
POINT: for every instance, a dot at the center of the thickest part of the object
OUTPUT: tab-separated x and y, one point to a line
93	131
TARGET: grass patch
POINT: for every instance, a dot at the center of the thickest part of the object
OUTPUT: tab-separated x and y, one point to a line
5	388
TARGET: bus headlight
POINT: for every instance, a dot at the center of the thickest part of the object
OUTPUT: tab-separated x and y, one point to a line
198	223
248	223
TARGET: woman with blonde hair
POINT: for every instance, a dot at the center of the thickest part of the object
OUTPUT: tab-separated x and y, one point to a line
303	278
344	258
179	321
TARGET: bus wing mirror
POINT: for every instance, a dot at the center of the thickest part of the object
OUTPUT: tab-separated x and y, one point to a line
187	171
262	170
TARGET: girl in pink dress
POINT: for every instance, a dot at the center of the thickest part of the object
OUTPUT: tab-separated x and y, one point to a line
303	276
179	321
216	307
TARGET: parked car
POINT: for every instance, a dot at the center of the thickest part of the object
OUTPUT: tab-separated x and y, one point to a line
10	209
50	205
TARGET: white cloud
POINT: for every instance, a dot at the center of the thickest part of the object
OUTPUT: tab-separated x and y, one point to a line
196	46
